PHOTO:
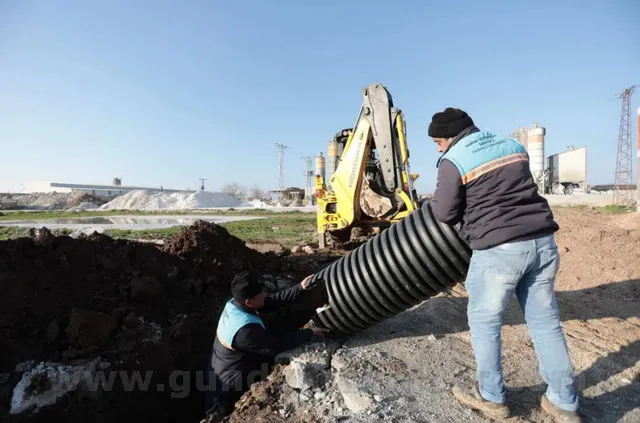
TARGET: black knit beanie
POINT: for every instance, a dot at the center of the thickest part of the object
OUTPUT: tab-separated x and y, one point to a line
449	123
244	286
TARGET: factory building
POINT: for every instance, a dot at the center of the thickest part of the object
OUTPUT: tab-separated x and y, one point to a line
560	173
567	171
97	190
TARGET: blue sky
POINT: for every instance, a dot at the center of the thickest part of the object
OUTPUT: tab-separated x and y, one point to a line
165	92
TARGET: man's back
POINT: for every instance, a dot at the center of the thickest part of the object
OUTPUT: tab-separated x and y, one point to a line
485	181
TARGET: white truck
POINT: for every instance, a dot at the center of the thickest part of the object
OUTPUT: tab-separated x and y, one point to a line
567	171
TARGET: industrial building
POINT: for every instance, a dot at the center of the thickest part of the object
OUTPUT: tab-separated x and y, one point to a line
97	190
567	171
560	173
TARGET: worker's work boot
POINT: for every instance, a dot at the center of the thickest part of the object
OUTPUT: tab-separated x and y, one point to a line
470	397
559	415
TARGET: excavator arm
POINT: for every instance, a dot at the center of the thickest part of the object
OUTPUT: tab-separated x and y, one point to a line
378	129
377	111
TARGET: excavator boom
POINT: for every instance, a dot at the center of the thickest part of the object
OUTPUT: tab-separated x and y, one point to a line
377	111
371	184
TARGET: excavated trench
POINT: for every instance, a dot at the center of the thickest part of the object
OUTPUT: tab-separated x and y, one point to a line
135	320
140	319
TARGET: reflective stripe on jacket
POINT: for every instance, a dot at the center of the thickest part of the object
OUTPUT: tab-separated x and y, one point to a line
482	152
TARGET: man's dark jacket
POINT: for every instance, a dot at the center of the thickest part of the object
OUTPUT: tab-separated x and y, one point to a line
496	203
253	348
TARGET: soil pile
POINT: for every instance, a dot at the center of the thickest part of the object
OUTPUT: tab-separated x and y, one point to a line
213	257
119	308
36	201
83	201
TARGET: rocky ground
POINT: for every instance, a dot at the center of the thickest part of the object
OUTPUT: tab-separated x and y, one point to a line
402	370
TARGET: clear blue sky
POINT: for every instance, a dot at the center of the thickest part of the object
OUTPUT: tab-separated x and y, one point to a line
164	92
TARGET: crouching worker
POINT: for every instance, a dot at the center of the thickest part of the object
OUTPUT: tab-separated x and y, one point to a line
244	348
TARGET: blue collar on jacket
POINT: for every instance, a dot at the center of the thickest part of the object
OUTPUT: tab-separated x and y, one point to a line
465	133
244	307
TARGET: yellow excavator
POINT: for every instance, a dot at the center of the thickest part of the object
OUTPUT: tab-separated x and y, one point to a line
371	186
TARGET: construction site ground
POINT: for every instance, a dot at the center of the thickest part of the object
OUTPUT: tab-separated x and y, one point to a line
403	369
127	306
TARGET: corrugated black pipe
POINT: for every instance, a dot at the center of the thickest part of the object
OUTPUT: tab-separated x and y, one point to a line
407	263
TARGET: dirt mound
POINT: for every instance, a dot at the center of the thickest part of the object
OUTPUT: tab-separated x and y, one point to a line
258	405
77	199
122	309
213	254
36	201
77	299
207	243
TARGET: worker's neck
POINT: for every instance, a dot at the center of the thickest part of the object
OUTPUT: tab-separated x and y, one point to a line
244	307
468	131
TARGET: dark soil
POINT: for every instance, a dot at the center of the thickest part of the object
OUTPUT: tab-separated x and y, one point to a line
136	306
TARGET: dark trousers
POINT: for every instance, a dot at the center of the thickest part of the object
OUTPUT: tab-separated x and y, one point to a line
218	401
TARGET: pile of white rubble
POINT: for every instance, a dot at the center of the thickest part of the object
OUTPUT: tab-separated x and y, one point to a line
148	200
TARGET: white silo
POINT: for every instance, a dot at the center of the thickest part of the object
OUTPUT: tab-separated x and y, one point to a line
320	166
535	147
332	160
520	135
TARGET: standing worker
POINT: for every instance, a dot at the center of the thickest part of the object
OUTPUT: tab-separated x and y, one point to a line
484	181
244	347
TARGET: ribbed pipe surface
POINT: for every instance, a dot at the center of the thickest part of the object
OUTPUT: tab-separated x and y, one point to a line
407	263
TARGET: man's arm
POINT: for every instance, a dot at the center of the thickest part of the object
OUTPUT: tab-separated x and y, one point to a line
282	298
253	338
449	200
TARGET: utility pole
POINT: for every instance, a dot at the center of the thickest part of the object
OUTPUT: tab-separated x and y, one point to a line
281	148
202	181
308	173
623	196
638	168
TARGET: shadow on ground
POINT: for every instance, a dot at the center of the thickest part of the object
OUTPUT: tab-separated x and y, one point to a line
608	407
447	314
612	299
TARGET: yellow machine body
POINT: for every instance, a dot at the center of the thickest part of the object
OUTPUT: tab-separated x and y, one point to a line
372	185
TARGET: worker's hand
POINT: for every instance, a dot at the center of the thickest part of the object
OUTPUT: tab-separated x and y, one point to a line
320	332
305	282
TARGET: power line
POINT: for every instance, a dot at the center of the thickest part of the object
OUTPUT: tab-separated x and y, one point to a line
623	193
309	174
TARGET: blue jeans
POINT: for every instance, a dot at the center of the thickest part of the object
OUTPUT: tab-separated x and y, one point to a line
528	269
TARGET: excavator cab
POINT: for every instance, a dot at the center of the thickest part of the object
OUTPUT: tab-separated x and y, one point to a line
371	185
